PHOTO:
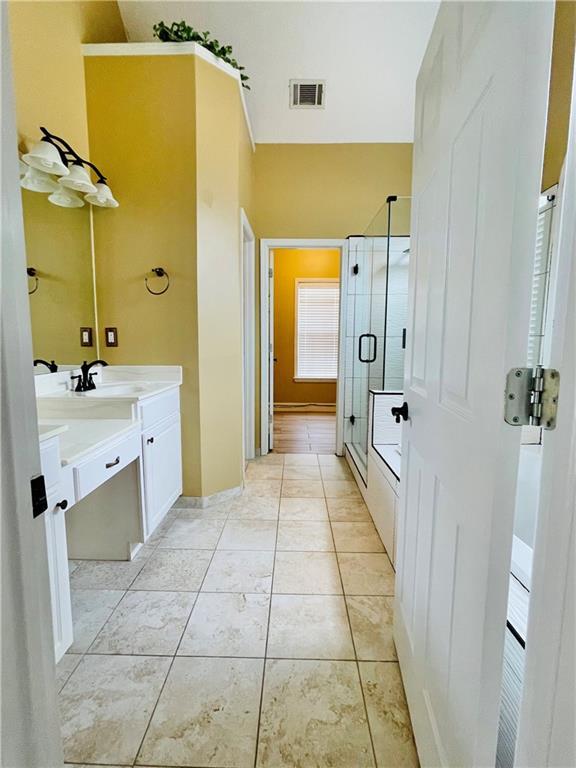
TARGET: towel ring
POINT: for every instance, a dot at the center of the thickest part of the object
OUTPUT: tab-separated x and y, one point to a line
158	272
31	272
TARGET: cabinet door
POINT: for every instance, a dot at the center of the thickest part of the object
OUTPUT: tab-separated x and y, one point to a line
162	453
55	522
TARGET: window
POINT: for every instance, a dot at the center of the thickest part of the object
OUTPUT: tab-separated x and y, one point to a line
316	343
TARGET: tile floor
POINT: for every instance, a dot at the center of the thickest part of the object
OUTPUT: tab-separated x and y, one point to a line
257	632
305	433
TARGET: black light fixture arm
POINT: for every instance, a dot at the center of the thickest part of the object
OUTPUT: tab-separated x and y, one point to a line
52	138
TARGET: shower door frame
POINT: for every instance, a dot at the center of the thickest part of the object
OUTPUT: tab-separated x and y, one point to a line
267	245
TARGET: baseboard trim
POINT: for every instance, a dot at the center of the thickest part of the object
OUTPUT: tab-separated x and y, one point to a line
304	408
201	502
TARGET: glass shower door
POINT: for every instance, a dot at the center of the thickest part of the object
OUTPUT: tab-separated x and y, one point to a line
362	346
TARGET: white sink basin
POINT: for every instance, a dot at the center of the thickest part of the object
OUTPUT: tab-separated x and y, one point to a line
118	390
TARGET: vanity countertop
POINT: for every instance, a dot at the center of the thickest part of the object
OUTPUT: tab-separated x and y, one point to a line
82	436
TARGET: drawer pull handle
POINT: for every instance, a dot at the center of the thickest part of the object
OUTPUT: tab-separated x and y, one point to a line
113	463
150	440
63	504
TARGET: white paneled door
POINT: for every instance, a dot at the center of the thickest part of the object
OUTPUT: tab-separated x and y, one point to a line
480	124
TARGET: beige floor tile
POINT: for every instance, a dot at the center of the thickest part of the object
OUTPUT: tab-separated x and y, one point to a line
336	472
226	625
366	574
105	574
217	512
148	623
299	472
313	716
309	627
248	534
174	570
303	489
72	565
332	460
240	572
270	487
303	509
356	537
341	489
217	728
269	458
65	667
91	609
307	573
106	704
300	459
388	715
299	536
372	620
348	510
264	471
192	534
247	507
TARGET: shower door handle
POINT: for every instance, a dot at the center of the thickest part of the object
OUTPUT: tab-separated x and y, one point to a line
367	336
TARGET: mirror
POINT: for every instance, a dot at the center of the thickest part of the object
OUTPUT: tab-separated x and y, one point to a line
58	247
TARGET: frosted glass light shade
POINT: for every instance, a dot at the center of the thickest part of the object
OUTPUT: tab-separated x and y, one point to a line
45	157
103	196
38	181
78	179
66	198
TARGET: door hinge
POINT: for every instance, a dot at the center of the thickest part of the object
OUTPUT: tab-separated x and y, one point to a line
352	419
532	397
270	272
355	269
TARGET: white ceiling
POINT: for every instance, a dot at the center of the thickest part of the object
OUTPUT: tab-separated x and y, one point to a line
368	53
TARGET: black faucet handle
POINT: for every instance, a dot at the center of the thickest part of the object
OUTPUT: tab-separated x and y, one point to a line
91	384
78	387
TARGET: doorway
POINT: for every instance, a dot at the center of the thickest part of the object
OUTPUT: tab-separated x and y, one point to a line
248	267
301	317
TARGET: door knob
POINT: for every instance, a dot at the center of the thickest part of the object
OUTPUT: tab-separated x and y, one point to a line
400	412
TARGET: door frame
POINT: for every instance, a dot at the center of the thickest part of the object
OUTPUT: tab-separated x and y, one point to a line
29	726
248	286
267	245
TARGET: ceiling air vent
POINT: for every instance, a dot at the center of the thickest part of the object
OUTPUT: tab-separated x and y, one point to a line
307	94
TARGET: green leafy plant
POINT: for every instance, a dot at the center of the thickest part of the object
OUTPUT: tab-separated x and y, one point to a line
180	32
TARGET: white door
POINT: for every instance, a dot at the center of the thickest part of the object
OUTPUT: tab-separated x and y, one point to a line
480	122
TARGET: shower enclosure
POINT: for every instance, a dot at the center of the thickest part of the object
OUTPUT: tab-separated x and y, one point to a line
376	318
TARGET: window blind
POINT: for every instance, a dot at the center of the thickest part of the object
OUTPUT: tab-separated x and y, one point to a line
317	310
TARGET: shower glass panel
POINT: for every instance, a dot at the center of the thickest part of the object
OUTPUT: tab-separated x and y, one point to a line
376	318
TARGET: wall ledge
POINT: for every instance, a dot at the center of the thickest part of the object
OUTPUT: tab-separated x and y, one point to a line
171	49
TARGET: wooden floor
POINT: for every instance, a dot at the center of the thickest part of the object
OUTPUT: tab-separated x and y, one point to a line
304	432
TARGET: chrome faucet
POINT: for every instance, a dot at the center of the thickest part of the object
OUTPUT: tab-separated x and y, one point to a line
52	367
86	379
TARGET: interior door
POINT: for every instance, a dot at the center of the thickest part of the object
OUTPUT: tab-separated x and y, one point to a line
480	122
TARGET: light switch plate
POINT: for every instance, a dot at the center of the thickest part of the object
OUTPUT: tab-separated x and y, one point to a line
86	337
111	336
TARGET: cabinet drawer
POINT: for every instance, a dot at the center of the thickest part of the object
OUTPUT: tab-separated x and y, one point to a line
50	462
157	408
105	464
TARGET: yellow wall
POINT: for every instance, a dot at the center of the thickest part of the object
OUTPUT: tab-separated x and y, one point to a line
326	190
48	71
218	117
289	265
150	158
560	91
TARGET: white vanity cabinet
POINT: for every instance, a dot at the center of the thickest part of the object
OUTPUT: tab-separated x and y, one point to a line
60	494
162	455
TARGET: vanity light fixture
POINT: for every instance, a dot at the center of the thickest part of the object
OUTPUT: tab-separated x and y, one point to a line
38	181
66	198
53	155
